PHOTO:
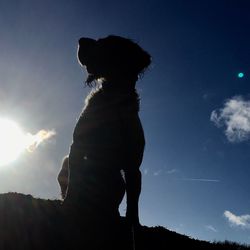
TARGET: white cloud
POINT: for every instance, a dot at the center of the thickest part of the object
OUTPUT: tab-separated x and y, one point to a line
33	141
211	228
235	220
235	116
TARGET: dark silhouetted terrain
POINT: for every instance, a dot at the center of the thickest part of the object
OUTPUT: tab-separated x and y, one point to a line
29	223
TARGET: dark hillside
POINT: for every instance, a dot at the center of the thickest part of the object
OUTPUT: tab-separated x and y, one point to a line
29	223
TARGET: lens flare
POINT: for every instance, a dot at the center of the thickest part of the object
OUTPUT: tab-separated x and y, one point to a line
240	75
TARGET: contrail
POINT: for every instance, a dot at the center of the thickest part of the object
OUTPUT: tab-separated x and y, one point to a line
198	179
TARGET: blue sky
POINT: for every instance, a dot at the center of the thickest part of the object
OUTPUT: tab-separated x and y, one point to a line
194	109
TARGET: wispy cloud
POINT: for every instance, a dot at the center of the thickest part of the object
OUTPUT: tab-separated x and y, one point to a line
208	96
242	221
200	179
145	171
172	171
235	117
211	228
161	171
33	141
158	172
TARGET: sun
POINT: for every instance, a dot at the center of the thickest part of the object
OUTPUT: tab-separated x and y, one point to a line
12	141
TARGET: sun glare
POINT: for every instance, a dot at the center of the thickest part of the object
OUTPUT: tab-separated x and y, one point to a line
11	141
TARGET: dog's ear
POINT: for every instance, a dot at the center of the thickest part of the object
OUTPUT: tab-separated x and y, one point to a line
121	57
142	60
86	49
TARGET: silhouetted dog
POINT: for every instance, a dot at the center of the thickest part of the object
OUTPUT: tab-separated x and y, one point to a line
108	137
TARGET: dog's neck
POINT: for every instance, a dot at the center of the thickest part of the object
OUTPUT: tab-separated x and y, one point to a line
112	92
121	85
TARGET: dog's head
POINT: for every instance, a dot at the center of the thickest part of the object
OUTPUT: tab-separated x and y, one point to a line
112	57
